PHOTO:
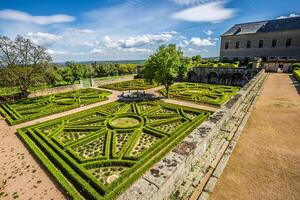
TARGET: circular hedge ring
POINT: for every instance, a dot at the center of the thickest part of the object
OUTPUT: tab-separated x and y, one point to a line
126	121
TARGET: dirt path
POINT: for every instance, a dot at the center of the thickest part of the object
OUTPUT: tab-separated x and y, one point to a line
20	175
266	161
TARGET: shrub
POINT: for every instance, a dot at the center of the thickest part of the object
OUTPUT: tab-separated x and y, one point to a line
215	95
32	108
296	73
136	84
115	145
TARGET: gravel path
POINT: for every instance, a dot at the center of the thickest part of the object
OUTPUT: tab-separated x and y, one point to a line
266	161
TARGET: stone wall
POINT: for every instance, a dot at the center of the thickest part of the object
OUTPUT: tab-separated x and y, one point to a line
175	169
95	83
223	76
54	90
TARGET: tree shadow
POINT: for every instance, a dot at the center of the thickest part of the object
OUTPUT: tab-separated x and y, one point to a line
295	83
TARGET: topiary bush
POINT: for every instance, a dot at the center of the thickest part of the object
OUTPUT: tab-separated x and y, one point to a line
93	159
32	108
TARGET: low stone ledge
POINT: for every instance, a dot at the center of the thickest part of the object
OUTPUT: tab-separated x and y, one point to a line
211	184
204	196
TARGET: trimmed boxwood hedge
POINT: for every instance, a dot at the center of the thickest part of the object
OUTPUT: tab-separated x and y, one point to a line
135	84
296	73
32	108
214	95
48	142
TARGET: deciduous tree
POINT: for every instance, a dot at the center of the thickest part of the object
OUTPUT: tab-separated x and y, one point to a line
165	65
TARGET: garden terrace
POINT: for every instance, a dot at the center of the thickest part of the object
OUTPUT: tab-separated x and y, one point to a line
100	152
215	95
136	84
32	108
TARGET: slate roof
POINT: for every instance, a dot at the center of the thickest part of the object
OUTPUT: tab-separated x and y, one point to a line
286	24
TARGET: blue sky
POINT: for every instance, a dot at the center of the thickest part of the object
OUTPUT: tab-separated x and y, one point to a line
132	29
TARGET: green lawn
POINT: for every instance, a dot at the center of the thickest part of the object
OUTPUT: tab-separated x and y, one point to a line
215	95
100	152
32	108
136	84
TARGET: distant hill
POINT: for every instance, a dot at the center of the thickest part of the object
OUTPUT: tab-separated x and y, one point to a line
138	62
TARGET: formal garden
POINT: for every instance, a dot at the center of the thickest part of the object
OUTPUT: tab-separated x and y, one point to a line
32	108
136	84
98	153
215	95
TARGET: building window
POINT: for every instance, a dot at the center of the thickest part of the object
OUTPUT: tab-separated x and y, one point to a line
274	43
288	42
260	44
237	45
248	44
226	45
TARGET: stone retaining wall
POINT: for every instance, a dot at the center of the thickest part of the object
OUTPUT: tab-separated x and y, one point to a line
193	161
95	83
55	90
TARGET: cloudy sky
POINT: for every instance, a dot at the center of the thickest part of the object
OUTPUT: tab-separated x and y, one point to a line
132	29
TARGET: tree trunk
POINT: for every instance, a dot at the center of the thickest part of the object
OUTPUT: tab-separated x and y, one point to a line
24	91
167	89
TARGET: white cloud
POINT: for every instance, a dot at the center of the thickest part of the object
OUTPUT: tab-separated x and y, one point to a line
42	39
289	16
190	2
201	42
96	51
16	15
57	52
209	32
144	39
209	12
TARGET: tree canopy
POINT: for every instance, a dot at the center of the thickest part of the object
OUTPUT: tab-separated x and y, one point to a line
166	65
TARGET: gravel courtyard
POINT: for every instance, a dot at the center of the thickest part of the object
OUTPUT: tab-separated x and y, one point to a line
266	161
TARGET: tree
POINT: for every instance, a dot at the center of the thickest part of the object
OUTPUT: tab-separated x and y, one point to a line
25	62
52	75
24	77
196	60
165	65
73	72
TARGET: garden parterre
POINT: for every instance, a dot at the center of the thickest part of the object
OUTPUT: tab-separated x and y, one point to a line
98	153
215	95
136	84
32	108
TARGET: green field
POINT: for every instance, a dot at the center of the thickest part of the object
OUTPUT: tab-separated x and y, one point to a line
32	108
136	84
215	95
100	152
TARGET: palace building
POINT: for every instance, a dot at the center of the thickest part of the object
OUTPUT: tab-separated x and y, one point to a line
267	40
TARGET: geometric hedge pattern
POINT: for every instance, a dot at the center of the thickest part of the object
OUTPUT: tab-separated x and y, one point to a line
209	94
135	84
33	108
98	153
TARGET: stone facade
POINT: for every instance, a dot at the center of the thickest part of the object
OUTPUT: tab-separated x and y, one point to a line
223	76
267	51
274	39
